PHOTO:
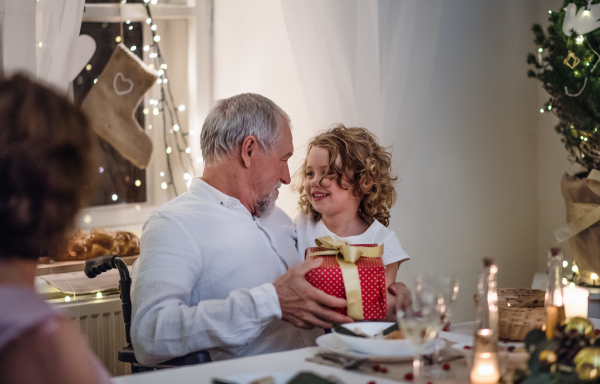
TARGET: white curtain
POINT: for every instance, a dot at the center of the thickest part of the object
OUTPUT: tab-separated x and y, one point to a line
40	39
366	63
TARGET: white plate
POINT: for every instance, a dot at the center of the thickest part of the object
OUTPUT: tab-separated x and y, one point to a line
334	343
245	378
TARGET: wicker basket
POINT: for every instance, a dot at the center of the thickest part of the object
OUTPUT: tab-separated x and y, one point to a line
520	310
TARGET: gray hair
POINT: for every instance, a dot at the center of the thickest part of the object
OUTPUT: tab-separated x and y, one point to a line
233	119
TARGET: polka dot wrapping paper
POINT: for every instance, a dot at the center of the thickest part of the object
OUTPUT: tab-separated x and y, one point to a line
371	272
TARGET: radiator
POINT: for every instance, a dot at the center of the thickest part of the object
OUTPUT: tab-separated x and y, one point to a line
101	322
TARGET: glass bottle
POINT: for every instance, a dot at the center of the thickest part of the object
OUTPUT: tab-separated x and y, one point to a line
554	304
485	368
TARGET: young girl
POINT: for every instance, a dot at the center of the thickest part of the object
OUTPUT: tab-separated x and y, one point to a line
347	192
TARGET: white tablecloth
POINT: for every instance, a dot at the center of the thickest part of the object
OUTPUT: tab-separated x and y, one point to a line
282	364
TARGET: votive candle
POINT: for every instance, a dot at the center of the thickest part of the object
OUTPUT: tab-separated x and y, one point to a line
576	302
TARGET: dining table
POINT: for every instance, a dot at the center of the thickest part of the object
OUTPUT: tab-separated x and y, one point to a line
282	366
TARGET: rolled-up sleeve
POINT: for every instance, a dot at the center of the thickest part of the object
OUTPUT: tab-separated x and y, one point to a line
164	323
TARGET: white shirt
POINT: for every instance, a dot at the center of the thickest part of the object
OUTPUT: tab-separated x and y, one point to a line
307	231
204	279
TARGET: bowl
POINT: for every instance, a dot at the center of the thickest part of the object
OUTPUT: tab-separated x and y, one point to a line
378	347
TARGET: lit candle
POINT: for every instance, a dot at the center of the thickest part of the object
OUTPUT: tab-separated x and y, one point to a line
485	368
576	302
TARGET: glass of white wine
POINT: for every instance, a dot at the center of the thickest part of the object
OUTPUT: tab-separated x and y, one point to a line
422	320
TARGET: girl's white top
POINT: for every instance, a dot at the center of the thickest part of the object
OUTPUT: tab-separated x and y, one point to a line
308	231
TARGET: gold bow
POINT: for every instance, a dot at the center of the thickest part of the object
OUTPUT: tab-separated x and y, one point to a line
347	256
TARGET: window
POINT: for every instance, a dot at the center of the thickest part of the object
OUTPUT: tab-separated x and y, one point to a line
185	43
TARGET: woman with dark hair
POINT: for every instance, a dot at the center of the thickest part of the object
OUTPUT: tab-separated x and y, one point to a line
45	176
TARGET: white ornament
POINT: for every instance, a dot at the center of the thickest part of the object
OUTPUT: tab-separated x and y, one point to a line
123	79
583	21
85	47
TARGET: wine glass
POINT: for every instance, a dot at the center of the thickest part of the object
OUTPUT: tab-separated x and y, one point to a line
446	287
422	320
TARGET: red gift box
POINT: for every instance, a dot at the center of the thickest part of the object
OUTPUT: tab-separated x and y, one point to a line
371	272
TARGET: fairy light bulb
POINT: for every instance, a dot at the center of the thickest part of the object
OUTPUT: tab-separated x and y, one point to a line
155	111
95	81
153	27
188	150
88	67
163	66
87	219
186	176
133	48
159	81
163	185
148	20
191	133
542	110
146	111
168	149
198	159
67	299
146	48
157	38
565	263
574	268
176	127
540	50
162	174
114	197
99	295
181	107
161	72
118	39
138	183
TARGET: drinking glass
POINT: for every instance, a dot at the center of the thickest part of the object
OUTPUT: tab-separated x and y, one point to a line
447	288
421	321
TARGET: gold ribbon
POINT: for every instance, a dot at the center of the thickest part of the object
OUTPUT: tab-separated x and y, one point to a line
347	256
581	216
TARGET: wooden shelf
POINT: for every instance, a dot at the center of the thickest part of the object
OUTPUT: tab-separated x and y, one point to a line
71	266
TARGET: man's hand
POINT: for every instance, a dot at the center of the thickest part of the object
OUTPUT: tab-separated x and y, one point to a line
304	305
401	293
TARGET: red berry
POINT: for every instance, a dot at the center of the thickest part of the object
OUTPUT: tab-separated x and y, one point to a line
446	367
597	332
376	367
409	376
384	370
430	382
467	347
372	382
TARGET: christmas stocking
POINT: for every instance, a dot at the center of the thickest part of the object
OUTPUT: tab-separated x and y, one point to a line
112	101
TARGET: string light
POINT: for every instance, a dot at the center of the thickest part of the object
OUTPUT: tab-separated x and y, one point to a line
542	110
198	159
114	197
168	149
188	150
153	27
146	111
95	81
155	111
549	11
565	263
138	183
128	22
99	295
161	72
150	126
154	1
87	219
67	299
156	38
101	169
579	39
574	269
148	20
163	185
176	127
186	176
131	27
182	107
153	55
88	67
540	50
191	133
163	66
146	48
118	39
162	174
133	48
159	81
137	207
40	44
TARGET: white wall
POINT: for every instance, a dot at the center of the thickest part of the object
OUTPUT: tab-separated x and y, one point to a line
470	187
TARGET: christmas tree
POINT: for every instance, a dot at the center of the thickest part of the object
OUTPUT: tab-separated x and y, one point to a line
567	64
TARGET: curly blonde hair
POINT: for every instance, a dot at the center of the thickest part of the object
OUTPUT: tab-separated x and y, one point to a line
365	168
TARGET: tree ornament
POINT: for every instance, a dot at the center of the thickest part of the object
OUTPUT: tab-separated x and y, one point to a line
581	325
112	101
570	56
588	363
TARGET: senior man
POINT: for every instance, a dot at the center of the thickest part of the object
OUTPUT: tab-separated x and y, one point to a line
218	268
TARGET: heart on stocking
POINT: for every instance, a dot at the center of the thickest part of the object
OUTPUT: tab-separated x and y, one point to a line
123	80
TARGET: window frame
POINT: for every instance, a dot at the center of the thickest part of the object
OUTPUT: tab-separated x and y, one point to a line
198	15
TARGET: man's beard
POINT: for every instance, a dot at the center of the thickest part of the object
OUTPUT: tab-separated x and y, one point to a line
265	204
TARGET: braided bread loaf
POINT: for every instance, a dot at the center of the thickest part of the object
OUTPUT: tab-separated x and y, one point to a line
99	242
